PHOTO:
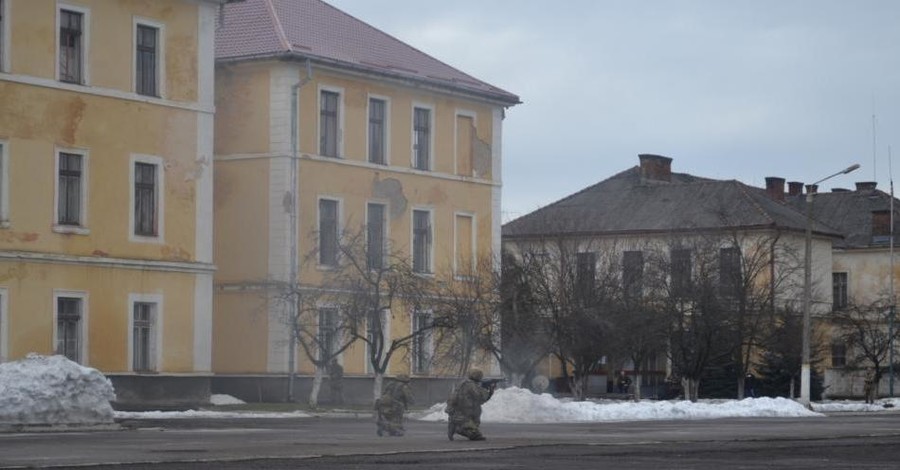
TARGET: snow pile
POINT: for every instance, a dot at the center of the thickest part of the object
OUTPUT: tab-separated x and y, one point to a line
53	390
202	414
220	399
857	406
516	405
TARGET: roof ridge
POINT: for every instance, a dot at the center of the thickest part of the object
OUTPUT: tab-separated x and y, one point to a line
743	189
279	29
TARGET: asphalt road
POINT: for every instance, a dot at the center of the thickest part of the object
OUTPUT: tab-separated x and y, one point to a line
865	441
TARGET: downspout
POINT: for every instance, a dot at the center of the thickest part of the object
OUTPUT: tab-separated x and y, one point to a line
294	281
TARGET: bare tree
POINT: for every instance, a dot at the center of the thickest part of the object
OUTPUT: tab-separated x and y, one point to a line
864	330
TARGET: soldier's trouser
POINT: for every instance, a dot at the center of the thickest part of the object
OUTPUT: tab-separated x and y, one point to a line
468	427
391	422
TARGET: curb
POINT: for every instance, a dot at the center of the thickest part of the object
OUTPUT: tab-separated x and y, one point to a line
6	428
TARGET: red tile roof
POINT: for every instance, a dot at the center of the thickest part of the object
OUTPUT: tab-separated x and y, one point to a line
318	31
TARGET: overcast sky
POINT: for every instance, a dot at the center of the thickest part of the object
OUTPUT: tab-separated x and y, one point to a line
728	89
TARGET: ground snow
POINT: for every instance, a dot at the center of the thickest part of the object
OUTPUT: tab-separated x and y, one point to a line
53	390
221	399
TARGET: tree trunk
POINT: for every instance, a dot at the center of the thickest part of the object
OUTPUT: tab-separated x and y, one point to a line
691	389
516	379
376	387
316	386
740	388
638	378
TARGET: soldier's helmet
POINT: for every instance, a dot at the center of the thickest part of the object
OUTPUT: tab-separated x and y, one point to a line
403	378
476	374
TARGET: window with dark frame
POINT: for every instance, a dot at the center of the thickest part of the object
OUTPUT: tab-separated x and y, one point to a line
633	274
68	327
327	335
838	354
680	260
142	331
145	193
147	44
375	236
730	277
421	353
328	124
71	46
422	138
421	241
377	131
585	275
328	232
839	292
70	177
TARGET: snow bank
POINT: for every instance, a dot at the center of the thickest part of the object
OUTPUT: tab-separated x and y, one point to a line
221	399
53	390
198	414
516	405
857	406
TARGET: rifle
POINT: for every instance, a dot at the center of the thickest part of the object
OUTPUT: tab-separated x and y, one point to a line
491	383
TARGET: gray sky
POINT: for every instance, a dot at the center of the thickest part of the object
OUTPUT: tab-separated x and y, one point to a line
728	89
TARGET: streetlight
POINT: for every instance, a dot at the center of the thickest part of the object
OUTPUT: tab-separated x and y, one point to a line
804	372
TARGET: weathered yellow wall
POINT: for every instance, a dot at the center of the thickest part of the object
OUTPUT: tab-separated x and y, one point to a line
241	220
242	109
37	120
240	331
111	49
30	288
868	274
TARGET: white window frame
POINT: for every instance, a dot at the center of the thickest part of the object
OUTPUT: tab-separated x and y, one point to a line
156	336
340	229
160	198
83	334
160	55
386	227
432	157
85	40
471	216
386	333
340	119
427	342
4	324
5	36
4	184
387	128
412	238
81	229
474	116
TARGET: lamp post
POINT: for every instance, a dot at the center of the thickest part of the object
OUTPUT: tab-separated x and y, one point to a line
807	275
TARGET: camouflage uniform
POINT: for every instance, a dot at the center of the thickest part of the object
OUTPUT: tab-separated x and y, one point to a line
869	387
395	399
464	407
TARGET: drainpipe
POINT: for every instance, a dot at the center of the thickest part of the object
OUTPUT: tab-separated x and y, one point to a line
294	283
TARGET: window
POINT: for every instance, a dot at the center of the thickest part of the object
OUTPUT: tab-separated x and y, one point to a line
421	241
465	140
680	273
730	278
377	131
328	329
422	346
422	138
375	235
839	290
143	339
146	73
145	197
585	275
328	232
69	327
465	244
70	189
71	46
838	354
375	326
633	273
4	179
328	123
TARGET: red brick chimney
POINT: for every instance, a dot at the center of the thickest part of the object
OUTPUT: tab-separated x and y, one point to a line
775	187
795	188
866	185
655	167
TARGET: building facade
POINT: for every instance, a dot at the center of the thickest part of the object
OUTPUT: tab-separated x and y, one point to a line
106	203
365	133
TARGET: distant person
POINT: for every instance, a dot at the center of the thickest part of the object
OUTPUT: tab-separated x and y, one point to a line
869	387
393	403
464	407
624	382
749	386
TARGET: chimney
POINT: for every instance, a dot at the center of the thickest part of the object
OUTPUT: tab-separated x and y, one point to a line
812	189
775	187
795	188
655	167
866	185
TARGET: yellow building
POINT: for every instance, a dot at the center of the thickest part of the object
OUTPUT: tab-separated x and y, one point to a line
367	131
106	121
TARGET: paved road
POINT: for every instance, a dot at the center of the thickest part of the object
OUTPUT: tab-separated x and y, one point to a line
840	441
